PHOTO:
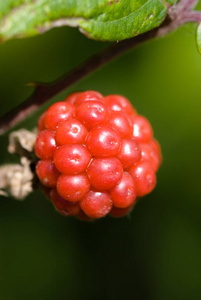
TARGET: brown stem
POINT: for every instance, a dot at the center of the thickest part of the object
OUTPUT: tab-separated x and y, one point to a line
189	4
175	18
44	92
191	17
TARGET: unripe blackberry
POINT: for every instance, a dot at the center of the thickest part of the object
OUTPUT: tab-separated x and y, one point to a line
97	155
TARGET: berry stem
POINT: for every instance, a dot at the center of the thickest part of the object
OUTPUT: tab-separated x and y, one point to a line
189	4
177	15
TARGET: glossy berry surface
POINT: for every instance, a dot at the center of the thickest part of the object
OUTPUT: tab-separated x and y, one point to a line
64	207
97	156
124	193
88	96
41	122
73	187
119	103
142	131
103	141
47	173
121	123
71	132
145	178
105	173
151	155
129	153
45	144
58	112
96	204
71	159
91	113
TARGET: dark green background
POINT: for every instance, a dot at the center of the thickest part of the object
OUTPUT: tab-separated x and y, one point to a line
156	252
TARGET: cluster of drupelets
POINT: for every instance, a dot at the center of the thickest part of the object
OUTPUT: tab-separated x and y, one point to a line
97	155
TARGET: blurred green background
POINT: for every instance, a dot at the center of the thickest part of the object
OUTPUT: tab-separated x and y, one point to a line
156	252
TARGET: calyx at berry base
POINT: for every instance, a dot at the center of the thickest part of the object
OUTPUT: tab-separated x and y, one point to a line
97	155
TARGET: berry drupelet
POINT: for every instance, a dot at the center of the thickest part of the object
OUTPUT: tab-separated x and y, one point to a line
97	155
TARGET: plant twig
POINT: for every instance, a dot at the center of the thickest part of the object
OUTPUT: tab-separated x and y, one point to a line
176	16
44	92
189	4
191	17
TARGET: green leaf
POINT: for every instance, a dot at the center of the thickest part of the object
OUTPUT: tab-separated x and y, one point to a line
198	38
108	20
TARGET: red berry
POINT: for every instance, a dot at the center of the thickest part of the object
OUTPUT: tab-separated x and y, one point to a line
91	113
104	173
72	98
41	122
103	141
155	145
64	207
89	96
73	187
71	159
97	155
120	212
47	173
144	178
71	132
142	130
119	103
121	123
58	112
129	153
124	193
96	204
150	155
45	144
